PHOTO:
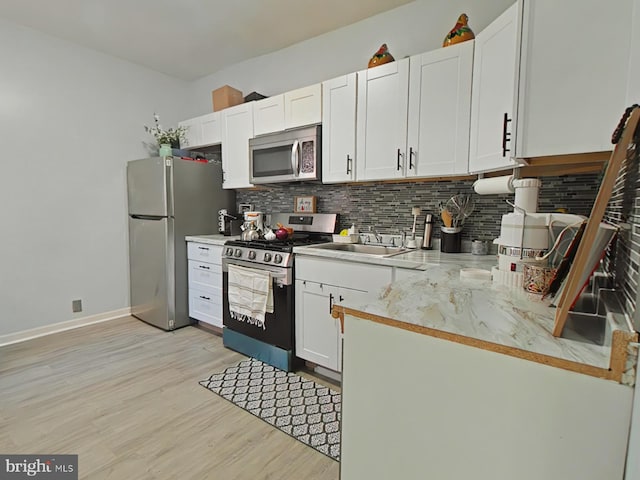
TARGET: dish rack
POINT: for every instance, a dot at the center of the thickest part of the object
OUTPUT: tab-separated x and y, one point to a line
352	238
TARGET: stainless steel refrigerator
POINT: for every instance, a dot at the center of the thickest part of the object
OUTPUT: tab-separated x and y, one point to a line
169	198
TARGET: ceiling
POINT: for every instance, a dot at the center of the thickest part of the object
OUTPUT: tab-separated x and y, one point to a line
189	39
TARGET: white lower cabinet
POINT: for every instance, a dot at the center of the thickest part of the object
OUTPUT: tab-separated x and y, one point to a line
320	284
205	282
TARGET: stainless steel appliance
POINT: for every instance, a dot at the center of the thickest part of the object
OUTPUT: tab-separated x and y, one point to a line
272	341
289	156
169	198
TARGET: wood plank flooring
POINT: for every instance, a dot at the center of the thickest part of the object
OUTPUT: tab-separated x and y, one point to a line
124	396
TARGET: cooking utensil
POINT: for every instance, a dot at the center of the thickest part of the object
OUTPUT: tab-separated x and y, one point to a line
447	219
460	207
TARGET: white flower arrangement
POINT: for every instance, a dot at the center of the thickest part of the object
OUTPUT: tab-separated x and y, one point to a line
173	136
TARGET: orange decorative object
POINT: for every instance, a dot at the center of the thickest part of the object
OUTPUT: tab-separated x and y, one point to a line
459	33
381	57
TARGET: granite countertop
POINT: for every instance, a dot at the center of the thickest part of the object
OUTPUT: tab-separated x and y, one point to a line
211	239
476	310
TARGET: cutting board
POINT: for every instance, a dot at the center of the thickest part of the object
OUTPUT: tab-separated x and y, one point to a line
623	137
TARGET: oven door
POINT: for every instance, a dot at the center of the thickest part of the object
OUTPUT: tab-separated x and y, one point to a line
279	325
285	157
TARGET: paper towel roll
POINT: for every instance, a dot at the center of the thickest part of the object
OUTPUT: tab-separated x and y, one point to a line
490	186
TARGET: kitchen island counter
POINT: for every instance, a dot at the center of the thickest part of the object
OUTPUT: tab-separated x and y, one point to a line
436	302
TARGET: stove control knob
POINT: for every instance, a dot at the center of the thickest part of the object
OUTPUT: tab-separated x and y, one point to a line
238	253
267	257
252	255
277	258
229	252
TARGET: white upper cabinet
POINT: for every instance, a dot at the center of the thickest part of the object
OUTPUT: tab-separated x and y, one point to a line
202	131
573	75
303	106
210	128
439	111
493	90
382	121
297	108
193	134
339	129
268	115
237	129
549	78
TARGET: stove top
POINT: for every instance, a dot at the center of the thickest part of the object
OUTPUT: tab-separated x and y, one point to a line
309	229
279	245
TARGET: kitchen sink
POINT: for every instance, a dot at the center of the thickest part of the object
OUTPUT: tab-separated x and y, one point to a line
378	250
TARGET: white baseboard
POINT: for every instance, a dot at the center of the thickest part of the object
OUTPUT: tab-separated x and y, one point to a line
62	326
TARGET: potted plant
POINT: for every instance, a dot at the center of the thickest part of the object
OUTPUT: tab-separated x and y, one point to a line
167	139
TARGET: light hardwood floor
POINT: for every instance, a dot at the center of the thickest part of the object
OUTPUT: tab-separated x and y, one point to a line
124	396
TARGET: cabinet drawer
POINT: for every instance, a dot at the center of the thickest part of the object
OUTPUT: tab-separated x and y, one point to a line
204	275
204	252
206	306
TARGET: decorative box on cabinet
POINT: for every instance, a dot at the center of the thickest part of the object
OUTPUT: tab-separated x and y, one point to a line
205	282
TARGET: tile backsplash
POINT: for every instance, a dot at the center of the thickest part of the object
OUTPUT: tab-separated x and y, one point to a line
387	206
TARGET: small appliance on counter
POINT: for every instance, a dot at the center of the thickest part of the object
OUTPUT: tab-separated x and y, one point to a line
526	236
229	224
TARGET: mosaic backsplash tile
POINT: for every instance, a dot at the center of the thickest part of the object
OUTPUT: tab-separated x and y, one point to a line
387	206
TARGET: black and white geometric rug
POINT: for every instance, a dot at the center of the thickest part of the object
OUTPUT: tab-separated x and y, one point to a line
307	411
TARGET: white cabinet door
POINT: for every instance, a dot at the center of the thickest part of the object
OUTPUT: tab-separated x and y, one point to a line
237	129
339	129
193	135
210	129
573	75
303	106
317	332
268	115
493	90
439	111
382	121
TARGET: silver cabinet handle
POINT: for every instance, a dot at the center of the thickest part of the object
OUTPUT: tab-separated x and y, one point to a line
349	160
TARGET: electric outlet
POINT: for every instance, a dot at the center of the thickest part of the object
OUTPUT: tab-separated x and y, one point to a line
76	306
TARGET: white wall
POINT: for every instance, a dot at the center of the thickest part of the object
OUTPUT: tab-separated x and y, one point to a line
414	28
70	119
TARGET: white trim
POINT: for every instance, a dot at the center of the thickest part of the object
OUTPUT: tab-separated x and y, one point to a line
62	326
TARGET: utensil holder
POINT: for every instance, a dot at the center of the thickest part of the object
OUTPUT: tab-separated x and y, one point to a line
450	239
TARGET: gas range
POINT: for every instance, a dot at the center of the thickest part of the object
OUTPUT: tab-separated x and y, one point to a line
309	229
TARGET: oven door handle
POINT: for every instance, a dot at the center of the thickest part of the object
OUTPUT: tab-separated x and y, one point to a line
274	275
295	158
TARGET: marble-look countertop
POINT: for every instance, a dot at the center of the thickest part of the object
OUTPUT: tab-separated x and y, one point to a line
418	259
436	298
210	239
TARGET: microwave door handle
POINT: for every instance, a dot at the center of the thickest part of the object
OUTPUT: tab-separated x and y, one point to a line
295	163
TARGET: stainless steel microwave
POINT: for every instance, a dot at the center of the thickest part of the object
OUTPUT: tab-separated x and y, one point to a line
289	156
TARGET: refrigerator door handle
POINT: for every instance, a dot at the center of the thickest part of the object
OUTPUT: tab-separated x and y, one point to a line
147	217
